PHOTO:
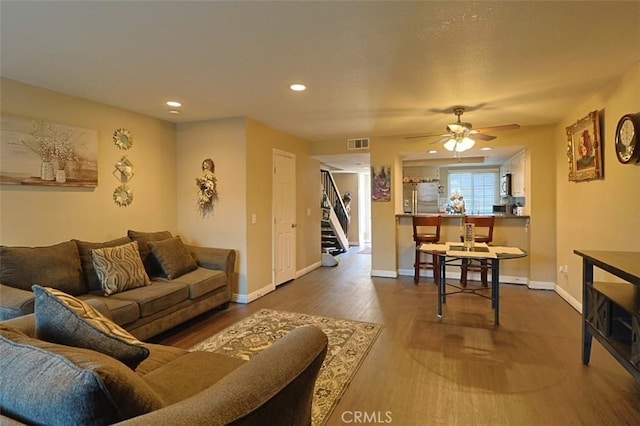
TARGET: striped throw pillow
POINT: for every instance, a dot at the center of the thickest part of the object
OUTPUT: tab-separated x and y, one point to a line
119	268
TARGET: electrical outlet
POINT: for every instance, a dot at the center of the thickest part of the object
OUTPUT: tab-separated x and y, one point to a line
254	218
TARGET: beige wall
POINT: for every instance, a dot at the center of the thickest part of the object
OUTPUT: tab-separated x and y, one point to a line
40	215
242	150
600	214
224	141
261	142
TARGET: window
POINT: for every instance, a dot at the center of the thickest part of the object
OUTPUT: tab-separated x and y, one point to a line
478	187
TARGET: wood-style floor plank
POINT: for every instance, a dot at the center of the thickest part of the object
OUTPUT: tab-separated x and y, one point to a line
461	370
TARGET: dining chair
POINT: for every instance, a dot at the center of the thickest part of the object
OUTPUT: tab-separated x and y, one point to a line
426	229
483	234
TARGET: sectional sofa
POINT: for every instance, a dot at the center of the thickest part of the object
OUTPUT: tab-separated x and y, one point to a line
177	281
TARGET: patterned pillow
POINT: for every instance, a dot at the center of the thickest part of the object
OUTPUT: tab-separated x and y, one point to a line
63	319
119	268
173	256
79	386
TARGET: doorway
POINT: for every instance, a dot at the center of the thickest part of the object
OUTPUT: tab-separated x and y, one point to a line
284	216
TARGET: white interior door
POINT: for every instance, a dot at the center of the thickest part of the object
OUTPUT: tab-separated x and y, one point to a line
284	216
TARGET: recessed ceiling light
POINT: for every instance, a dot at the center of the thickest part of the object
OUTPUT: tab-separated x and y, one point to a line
486	148
174	104
173	111
298	87
432	151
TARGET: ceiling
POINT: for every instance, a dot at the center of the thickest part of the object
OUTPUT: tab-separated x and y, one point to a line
372	68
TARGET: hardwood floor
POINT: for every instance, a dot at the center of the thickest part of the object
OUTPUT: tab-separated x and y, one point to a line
461	370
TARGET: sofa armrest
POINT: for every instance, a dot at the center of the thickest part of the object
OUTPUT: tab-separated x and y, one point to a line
275	387
216	258
15	302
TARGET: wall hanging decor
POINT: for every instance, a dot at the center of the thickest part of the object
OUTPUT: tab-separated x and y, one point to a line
207	188
584	149
122	139
122	196
381	183
36	152
123	171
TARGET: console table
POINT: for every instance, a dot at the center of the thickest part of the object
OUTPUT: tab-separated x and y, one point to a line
611	310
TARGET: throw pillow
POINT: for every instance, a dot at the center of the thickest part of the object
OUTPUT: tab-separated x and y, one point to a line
173	256
119	268
22	267
86	260
79	386
148	259
63	319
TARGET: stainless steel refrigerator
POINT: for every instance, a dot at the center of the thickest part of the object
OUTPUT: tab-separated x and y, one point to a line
420	197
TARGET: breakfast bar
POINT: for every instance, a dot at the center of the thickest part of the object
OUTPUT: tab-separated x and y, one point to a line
509	230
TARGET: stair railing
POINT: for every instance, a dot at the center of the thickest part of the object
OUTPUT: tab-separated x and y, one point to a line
335	200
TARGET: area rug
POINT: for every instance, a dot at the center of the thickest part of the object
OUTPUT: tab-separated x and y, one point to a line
366	250
349	343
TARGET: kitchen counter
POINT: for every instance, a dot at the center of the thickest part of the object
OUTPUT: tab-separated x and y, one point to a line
509	230
458	216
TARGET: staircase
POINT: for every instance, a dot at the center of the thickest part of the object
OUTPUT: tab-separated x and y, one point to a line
335	219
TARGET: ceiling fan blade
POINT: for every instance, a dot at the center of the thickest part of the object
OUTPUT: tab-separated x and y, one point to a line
499	128
426	136
444	138
482	137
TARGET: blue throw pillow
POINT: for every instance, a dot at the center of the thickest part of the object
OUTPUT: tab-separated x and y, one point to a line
46	383
61	318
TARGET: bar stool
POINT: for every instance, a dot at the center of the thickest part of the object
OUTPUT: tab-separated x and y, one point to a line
426	229
483	234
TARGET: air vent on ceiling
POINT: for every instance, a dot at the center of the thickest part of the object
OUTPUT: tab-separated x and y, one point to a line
358	143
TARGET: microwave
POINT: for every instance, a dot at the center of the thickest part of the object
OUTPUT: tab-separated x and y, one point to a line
505	185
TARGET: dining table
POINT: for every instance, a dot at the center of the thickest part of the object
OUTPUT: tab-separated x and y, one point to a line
453	253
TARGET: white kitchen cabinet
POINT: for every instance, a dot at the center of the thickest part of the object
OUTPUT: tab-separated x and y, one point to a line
518	172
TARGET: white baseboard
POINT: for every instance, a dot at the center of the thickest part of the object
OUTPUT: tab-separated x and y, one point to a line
248	298
474	276
569	298
541	285
305	271
384	274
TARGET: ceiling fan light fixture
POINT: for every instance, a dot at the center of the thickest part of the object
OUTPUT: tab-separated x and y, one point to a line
451	144
467	143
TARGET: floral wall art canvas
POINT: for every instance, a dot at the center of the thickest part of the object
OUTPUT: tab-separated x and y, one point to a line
36	152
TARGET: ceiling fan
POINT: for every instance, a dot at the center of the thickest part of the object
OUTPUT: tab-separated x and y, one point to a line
461	136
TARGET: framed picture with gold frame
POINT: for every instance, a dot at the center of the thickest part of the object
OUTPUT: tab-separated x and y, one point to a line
584	149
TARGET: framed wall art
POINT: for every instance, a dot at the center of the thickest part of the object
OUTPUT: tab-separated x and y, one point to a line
584	149
37	152
381	183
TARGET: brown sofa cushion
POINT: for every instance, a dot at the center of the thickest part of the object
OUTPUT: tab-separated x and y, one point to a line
79	386
190	374
22	267
173	257
155	297
150	262
119	268
201	281
88	271
65	320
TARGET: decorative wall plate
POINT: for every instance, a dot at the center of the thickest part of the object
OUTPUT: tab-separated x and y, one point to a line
123	170
123	196
122	139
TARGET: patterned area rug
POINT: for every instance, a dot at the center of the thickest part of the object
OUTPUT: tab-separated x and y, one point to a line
349	343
